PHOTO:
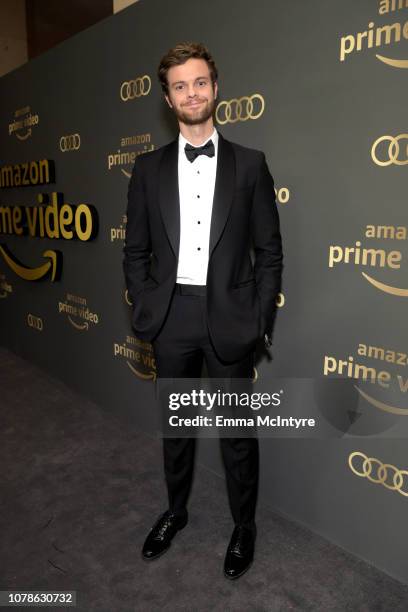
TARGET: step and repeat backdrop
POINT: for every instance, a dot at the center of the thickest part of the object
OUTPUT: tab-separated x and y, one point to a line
320	87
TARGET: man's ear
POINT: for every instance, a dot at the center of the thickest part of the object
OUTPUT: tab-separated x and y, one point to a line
168	101
215	90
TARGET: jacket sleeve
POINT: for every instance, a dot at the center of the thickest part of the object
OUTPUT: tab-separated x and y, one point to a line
137	249
267	244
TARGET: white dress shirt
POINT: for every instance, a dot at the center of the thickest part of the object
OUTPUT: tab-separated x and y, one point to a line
196	190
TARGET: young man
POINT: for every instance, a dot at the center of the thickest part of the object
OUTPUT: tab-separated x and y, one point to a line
195	208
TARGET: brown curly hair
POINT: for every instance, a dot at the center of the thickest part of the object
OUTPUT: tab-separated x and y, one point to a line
179	55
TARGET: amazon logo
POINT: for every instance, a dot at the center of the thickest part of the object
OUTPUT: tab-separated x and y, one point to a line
137	356
359	255
375	36
129	148
376	371
77	311
23	123
51	265
51	218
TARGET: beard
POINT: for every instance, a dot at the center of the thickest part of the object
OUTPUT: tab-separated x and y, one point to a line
200	115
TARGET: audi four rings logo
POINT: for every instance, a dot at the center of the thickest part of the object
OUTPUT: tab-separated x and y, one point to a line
378	472
72	142
35	322
129	90
396	146
240	109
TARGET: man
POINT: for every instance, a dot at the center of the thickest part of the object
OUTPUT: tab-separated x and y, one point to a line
195	208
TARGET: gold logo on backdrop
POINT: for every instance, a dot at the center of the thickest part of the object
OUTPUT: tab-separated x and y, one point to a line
395	63
240	109
282	195
81	327
280	300
52	267
381	405
352	369
399	291
128	157
119	233
387	34
5	288
358	255
23	123
139	357
72	142
35	322
35	172
141	86
76	306
391	153
377	472
149	376
50	219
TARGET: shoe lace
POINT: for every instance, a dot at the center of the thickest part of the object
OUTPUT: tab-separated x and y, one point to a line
162	525
238	540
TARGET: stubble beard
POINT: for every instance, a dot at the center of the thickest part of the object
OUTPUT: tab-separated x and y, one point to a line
199	117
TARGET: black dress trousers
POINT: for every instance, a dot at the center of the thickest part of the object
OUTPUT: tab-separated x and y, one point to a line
180	347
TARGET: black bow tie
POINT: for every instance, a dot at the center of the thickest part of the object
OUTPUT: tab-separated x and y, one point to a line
193	152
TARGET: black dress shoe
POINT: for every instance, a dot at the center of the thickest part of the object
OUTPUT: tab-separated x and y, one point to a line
162	533
240	552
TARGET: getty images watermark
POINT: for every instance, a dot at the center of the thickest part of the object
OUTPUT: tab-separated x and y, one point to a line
279	407
223	399
225	408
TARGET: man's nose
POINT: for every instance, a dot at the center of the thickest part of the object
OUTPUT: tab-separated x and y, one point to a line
191	90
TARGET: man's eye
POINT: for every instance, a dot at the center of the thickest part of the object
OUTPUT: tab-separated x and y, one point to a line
202	82
179	86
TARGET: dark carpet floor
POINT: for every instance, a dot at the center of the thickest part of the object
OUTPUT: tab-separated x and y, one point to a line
80	489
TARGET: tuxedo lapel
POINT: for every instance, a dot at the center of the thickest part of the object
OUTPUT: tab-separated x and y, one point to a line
223	191
169	198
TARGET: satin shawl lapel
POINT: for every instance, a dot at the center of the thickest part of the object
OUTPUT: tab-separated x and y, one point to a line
223	191
169	199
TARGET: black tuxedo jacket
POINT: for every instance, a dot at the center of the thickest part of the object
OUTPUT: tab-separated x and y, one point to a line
241	290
